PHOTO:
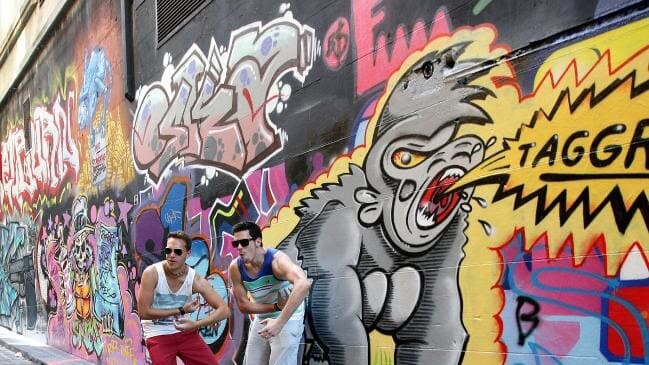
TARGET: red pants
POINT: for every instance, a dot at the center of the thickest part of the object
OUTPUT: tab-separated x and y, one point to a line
188	346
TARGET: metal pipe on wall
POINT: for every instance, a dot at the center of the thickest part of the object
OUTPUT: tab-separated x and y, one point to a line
127	48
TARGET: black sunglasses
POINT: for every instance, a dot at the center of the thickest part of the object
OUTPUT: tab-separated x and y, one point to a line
244	242
177	251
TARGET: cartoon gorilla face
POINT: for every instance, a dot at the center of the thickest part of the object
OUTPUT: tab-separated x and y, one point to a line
417	155
424	167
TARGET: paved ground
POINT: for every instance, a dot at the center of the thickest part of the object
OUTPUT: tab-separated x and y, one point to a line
9	357
34	352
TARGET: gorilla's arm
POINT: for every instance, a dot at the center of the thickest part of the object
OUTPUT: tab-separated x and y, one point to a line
327	240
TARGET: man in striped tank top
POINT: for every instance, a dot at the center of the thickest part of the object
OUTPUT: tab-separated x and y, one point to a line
277	287
166	296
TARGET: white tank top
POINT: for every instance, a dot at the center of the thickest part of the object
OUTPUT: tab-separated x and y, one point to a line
164	298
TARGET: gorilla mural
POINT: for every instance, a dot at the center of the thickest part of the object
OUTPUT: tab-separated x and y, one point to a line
383	244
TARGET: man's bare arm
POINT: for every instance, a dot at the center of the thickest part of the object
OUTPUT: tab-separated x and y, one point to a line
284	268
220	312
241	295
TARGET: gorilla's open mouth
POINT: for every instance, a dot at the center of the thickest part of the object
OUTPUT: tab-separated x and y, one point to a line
435	205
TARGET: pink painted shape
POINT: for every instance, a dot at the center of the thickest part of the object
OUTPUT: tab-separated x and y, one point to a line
277	179
336	43
194	207
206	227
558	337
93	213
374	64
369	111
66	218
227	249
124	208
253	183
540	261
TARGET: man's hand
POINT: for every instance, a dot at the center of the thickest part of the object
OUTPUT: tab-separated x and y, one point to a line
282	298
272	329
185	324
191	306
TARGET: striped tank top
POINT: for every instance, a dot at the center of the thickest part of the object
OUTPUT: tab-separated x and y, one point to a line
164	298
264	287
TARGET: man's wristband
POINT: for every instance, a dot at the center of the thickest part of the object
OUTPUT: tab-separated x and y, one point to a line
277	308
181	310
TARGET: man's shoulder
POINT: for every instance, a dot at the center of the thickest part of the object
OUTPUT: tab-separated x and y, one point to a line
234	263
276	253
150	275
233	268
153	268
197	279
281	261
280	256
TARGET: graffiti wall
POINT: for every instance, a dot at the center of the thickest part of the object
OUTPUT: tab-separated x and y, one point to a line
463	182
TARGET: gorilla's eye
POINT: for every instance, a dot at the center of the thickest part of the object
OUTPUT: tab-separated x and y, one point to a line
428	69
407	159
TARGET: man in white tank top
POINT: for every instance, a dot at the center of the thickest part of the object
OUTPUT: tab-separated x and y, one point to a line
164	298
267	276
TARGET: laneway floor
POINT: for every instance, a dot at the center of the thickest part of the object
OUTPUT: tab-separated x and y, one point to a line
9	357
36	352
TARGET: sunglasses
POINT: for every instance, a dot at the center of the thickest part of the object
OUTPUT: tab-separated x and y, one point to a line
177	251
244	242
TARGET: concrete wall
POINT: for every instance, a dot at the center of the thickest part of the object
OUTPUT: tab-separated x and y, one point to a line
464	182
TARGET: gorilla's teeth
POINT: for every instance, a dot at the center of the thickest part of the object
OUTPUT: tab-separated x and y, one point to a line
424	219
452	172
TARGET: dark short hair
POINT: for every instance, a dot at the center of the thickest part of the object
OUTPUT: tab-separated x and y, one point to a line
251	227
183	236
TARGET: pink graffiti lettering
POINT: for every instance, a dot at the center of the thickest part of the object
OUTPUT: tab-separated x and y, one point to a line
374	64
214	110
43	170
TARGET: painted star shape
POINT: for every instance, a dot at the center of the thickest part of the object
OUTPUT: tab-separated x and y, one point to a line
124	208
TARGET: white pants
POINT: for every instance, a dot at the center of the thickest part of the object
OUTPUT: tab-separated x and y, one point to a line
279	350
